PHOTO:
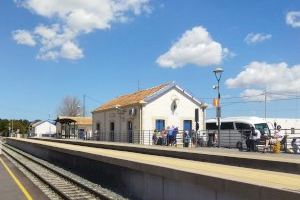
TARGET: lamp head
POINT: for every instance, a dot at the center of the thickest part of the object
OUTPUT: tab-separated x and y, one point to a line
218	72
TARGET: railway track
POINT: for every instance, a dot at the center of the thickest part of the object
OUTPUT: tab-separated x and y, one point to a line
65	184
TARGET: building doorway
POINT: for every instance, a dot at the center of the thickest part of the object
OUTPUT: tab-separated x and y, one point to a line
130	131
112	131
159	124
187	125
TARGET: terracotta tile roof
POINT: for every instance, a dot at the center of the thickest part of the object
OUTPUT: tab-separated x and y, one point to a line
79	120
130	99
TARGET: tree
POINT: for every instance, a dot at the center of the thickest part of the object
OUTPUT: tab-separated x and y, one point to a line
4	124
70	106
22	125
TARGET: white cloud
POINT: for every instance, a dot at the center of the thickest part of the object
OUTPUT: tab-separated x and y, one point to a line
277	78
227	53
23	37
70	50
195	46
253	95
253	38
74	18
293	19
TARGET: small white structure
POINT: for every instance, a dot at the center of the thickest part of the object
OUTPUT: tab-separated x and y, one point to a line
42	129
133	118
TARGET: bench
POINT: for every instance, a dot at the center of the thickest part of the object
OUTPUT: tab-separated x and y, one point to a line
261	146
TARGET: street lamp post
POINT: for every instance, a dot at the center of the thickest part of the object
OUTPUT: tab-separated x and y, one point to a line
218	73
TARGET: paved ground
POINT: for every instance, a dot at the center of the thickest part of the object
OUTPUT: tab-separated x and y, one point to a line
278	180
9	190
285	157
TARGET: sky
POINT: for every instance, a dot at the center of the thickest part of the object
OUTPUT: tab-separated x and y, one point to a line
50	49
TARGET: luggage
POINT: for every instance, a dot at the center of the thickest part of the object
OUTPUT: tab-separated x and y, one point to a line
276	147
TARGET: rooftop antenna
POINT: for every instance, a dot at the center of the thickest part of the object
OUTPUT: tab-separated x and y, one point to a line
138	85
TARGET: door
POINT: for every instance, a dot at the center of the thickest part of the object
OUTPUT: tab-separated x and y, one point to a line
187	125
159	124
130	131
112	131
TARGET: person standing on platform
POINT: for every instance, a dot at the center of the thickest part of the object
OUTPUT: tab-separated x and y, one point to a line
254	138
277	137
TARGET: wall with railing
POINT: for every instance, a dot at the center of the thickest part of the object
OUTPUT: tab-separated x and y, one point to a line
202	138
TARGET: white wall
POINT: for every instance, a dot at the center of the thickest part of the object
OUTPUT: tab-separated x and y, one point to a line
161	109
285	123
44	128
120	120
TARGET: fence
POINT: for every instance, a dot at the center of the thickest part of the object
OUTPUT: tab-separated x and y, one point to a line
0	145
203	138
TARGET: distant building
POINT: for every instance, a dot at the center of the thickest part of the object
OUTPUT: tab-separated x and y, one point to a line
133	117
73	127
42	129
285	123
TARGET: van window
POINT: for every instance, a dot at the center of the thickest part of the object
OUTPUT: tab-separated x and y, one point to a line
263	128
227	126
211	126
242	126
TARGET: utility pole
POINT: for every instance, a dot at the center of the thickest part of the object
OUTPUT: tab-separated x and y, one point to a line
12	127
83	106
265	104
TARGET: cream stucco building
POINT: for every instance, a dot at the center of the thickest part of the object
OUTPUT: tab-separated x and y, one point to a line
134	117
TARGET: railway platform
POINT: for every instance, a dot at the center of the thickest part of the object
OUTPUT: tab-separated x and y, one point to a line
146	176
14	185
283	162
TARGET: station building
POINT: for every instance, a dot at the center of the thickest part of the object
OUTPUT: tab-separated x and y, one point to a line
134	117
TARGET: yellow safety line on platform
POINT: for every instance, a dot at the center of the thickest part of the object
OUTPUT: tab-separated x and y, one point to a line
22	188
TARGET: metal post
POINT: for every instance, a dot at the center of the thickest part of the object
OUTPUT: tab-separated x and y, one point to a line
218	73
219	114
149	138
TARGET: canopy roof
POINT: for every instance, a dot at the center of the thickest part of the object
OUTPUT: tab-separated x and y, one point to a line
77	120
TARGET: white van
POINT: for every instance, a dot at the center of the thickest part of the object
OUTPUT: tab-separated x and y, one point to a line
235	129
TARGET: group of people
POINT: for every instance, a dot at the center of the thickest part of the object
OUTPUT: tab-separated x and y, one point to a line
168	137
255	137
189	138
165	136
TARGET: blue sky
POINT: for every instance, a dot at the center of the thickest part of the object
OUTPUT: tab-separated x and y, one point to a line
106	55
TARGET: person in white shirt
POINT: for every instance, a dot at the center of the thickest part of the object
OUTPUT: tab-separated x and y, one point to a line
254	139
278	136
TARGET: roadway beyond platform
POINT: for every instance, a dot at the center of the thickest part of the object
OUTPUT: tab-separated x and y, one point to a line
144	176
281	162
18	188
